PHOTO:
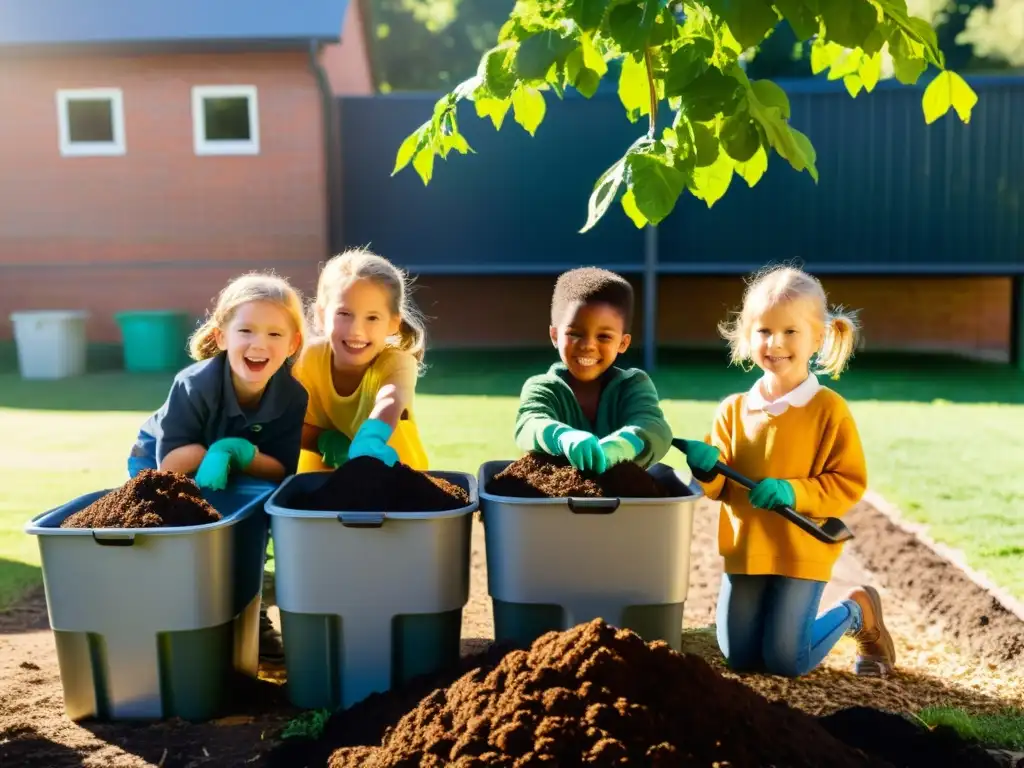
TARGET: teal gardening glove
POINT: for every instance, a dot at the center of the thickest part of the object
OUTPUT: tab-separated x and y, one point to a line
372	440
220	457
621	446
771	493
701	457
333	446
583	450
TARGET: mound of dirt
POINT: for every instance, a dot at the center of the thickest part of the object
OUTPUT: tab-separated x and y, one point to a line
151	499
598	696
366	484
539	475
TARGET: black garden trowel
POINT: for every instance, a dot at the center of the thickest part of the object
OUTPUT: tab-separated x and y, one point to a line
831	531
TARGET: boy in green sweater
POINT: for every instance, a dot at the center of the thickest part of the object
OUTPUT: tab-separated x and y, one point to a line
585	408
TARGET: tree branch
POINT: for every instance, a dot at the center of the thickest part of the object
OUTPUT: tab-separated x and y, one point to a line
653	117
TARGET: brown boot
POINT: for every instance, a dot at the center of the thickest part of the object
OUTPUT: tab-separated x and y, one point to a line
876	654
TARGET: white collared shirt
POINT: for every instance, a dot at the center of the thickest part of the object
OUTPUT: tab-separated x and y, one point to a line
797	398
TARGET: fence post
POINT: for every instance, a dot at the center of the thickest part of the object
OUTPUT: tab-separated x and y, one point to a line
1017	322
650	298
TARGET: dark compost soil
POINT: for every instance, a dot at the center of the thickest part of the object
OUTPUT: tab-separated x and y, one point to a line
539	475
598	696
151	499
366	484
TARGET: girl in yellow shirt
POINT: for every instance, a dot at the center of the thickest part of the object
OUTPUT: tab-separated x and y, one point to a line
799	438
362	369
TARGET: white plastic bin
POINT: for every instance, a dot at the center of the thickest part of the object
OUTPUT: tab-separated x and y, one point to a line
51	343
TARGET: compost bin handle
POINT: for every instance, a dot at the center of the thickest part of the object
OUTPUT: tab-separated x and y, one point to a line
361	519
587	506
113	540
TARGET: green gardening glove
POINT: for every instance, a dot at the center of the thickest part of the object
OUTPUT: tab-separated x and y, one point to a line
241	451
701	457
333	446
214	470
771	493
583	450
621	446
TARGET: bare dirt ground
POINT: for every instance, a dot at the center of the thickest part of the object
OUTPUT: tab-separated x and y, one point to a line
956	647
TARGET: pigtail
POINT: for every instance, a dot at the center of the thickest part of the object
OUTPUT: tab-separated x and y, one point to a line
203	343
412	334
734	332
839	343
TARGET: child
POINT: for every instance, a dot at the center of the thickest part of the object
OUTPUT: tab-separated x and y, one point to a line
800	439
585	408
361	374
238	407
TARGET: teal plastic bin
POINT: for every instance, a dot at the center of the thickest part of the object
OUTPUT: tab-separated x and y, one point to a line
154	340
368	600
154	623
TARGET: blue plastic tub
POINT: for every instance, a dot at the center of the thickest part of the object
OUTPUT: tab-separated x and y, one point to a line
153	623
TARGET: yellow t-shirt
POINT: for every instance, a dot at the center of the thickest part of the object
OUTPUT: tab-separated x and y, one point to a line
329	410
816	447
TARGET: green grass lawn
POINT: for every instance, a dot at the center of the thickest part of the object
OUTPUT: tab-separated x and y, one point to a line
944	439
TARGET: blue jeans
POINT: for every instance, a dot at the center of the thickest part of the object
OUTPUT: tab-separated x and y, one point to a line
771	624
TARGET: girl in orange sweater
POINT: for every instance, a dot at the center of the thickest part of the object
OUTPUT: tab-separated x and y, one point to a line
800	441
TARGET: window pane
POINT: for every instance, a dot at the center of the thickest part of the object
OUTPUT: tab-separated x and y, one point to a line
90	120
227	119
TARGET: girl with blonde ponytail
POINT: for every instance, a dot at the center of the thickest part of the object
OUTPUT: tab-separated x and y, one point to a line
798	440
361	372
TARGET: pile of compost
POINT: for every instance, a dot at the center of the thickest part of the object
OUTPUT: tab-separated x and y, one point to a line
151	499
366	484
539	475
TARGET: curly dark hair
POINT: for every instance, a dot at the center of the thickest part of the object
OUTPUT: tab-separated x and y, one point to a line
592	285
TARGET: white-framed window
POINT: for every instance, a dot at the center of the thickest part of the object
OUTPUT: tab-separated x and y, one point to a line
225	120
90	122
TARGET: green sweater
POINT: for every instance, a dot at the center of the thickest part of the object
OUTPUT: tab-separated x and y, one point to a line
628	401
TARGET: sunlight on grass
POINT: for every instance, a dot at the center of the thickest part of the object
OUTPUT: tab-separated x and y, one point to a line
1004	731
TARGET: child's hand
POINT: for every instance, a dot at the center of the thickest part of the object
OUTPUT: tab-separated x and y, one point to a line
771	493
214	470
372	440
582	450
621	446
333	446
241	451
701	456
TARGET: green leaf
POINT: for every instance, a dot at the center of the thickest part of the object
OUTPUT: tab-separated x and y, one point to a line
711	183
870	71
848	22
528	107
752	170
846	63
604	192
687	64
634	88
424	165
769	94
705	145
587	82
739	137
801	15
908	61
630	24
821	58
413	143
592	58
629	206
748	20
664	29
948	91
788	142
807	150
916	29
538	53
655	184
496	109
588	14
853	84
708	94
496	69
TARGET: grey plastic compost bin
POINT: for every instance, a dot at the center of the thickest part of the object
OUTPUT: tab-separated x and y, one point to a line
555	563
154	623
368	599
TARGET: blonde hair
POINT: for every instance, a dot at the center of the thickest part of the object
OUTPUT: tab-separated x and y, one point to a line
362	264
776	285
254	286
